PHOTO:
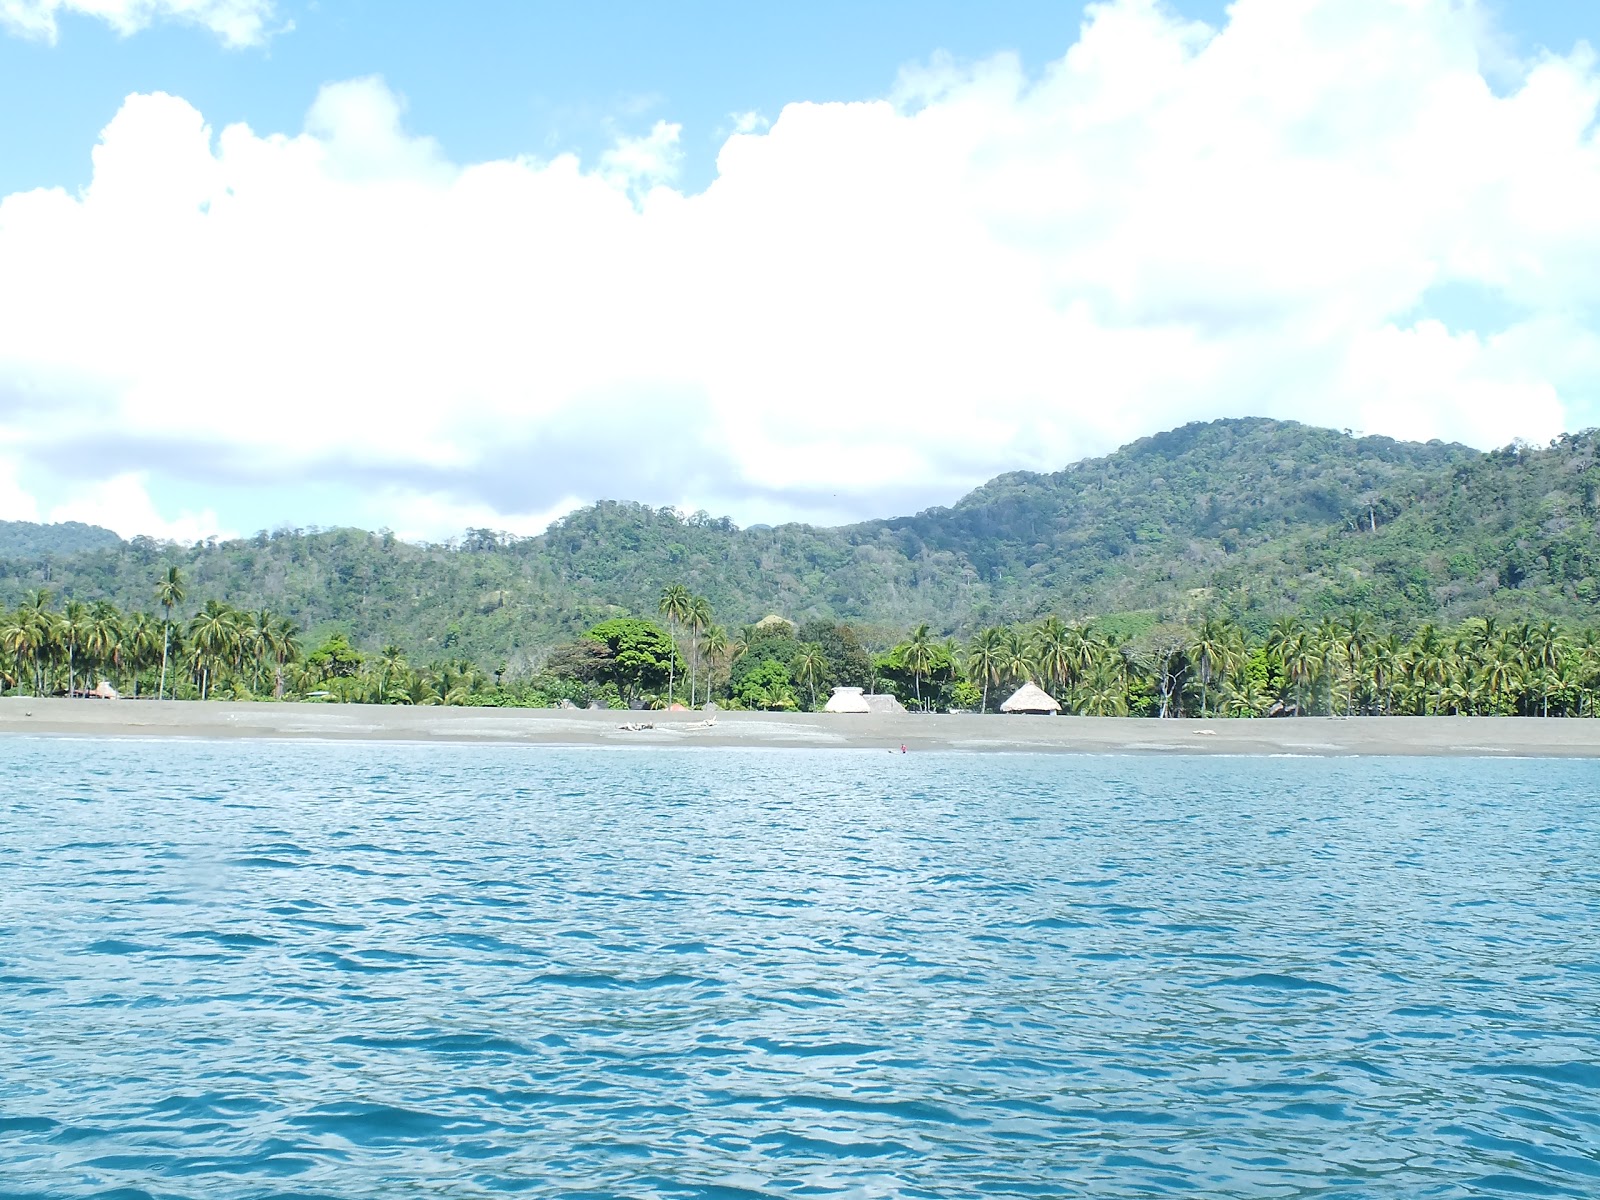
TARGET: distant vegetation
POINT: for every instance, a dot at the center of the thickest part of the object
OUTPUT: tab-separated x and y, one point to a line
1210	669
1238	523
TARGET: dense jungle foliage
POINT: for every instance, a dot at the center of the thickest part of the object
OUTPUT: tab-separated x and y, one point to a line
1248	520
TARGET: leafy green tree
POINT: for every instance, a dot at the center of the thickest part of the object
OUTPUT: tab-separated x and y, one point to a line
642	653
767	685
336	658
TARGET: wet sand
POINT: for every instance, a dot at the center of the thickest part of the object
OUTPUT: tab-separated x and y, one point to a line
1318	736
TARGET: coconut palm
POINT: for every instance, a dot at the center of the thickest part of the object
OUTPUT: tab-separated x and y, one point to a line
1016	658
1102	690
214	639
103	636
170	592
1052	653
141	645
71	628
984	655
918	654
809	666
699	619
1386	659
391	666
675	605
1214	653
717	648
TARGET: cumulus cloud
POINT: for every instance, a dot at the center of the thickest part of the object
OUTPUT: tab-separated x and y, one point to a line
236	22
874	304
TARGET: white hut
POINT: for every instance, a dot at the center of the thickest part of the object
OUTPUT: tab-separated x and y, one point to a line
1030	698
847	700
884	703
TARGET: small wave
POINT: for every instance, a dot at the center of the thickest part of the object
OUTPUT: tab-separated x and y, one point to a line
604	982
231	941
1581	1074
1277	982
116	946
442	1043
816	1049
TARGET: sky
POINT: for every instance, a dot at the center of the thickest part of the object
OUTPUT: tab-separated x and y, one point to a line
270	263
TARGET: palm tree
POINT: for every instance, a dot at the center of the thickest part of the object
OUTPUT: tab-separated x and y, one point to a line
1427	665
717	648
391	664
140	642
1548	648
984	654
1016	658
1052	651
809	665
71	628
39	625
170	593
675	604
917	654
214	635
1358	638
103	636
1387	657
1103	691
699	620
1213	653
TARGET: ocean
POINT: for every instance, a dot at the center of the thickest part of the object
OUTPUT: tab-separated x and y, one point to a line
254	969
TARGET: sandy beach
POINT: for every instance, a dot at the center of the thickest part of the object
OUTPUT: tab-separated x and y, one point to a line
1318	736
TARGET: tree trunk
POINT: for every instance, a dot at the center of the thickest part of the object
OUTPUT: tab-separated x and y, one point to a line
166	642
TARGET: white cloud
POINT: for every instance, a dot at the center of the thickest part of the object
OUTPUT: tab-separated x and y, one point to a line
873	306
647	161
123	504
236	22
16	503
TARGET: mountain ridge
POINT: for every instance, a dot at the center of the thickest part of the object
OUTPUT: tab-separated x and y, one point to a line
1249	515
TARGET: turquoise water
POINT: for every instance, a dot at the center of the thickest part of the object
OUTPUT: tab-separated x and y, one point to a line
346	971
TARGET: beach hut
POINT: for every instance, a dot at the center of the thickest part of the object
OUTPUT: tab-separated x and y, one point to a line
880	704
1030	698
847	700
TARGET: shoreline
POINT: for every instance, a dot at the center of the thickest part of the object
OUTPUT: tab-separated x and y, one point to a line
1319	737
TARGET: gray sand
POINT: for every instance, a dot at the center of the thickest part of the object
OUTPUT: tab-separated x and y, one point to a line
1322	736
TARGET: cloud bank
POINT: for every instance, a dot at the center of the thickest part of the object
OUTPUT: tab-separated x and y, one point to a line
236	22
874	306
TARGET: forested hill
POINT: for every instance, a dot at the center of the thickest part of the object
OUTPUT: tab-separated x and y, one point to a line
1249	517
24	539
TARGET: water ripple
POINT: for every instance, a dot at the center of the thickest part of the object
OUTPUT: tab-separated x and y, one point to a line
247	971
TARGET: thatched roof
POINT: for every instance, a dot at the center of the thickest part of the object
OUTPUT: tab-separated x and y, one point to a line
1030	698
884	704
847	700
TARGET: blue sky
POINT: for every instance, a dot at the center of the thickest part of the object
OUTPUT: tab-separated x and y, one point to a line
497	78
646	96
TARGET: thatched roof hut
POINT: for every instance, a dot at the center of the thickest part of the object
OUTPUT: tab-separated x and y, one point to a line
884	703
1030	698
847	700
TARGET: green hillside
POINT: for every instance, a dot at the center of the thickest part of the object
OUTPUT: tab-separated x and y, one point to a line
1249	518
24	539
